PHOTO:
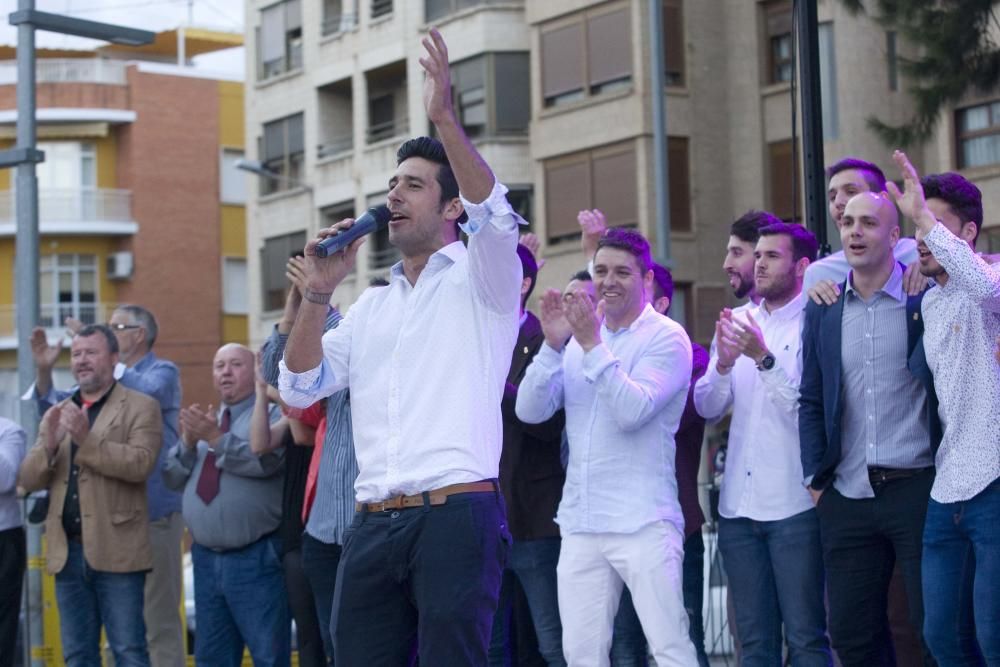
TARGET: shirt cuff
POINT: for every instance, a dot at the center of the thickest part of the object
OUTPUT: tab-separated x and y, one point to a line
298	381
596	361
493	207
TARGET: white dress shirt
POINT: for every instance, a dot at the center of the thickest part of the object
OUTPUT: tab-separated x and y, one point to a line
961	325
763	479
835	267
427	363
623	403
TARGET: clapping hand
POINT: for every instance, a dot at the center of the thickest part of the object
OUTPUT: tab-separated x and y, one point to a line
584	318
555	326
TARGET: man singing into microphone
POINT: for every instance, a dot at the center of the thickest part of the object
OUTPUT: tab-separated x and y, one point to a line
426	360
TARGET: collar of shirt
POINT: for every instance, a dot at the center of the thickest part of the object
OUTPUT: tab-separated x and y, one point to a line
636	324
77	398
789	311
893	286
444	257
237	409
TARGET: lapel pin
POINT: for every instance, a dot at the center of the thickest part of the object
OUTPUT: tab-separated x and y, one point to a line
916	316
525	349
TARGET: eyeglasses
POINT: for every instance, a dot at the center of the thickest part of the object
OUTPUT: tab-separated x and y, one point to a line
124	327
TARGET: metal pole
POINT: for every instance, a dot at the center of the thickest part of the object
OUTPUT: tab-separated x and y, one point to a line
812	122
26	299
661	169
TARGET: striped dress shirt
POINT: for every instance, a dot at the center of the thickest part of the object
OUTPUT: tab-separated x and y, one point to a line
885	406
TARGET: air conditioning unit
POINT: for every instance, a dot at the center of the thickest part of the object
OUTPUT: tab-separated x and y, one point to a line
120	265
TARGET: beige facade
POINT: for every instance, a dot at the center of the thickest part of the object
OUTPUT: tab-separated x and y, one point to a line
578	131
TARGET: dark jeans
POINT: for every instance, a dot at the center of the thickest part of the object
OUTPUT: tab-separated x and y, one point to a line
88	599
426	577
319	562
303	606
775	571
12	562
962	580
628	644
862	541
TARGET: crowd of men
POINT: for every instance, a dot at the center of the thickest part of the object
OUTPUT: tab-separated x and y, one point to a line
443	476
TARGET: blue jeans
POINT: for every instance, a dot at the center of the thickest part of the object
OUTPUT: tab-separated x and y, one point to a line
534	563
239	598
775	571
320	561
87	600
961	578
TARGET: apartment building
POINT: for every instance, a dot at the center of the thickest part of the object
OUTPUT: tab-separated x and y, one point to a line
138	199
557	96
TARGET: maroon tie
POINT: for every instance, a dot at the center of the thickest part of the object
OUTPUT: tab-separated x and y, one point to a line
208	481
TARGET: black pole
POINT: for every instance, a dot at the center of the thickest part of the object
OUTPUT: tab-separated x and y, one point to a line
812	121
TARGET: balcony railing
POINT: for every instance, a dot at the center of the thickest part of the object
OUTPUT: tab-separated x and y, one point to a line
334	24
384	257
388	129
79	205
52	316
69	70
335	146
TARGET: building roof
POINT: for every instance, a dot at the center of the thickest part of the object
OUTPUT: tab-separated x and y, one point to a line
197	41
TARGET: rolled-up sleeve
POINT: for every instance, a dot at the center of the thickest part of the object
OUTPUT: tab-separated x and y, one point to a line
493	231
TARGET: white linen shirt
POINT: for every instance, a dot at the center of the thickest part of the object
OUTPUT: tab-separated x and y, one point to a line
427	363
763	479
961	325
623	403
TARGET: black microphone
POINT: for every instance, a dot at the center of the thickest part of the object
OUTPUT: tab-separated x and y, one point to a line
373	219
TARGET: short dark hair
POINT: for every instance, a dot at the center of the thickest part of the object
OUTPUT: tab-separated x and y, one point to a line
963	197
663	282
529	268
378	281
102	329
631	242
432	150
747	226
583	276
145	318
804	242
872	174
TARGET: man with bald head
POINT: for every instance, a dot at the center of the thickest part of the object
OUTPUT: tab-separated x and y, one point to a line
868	427
232	506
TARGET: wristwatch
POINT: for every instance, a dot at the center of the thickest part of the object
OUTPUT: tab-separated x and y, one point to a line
766	362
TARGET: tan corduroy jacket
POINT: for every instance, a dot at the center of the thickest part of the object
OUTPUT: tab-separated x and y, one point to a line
115	460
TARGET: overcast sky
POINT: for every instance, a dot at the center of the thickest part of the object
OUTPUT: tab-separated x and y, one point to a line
153	15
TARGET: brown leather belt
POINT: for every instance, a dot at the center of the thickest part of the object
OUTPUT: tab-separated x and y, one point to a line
436	497
879	476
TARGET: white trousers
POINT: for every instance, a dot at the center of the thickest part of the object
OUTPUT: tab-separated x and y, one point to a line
592	569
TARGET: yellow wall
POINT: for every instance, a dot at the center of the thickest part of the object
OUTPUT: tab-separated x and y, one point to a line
7	270
233	231
231	114
235	329
6	174
107	151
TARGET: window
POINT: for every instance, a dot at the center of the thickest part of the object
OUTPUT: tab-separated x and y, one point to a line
67	181
587	57
673	36
337	18
234	286
679	166
381	8
68	288
232	181
273	258
892	59
388	115
780	58
682	307
279	39
492	94
978	135
828	81
282	152
522	199
781	167
330	215
383	253
603	178
989	240
381	118
435	9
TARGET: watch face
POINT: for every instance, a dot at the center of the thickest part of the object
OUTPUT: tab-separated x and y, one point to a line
767	363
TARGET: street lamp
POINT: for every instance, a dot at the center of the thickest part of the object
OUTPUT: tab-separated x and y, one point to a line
25	156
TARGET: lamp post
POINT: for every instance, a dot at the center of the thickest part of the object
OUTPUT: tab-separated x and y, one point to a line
25	155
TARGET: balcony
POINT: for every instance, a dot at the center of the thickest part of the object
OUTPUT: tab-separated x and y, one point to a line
86	211
51	318
69	70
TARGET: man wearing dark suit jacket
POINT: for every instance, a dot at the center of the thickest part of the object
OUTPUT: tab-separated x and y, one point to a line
868	426
94	452
531	479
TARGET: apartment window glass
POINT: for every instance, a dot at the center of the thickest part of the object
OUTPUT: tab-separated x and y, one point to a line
679	166
492	94
522	199
336	212
68	288
989	240
381	118
673	36
681	306
511	92
781	167
589	56
779	41
273	258
339	16
234	286
381	8
279	39
978	135
603	178
232	181
828	81
67	180
282	150
435	9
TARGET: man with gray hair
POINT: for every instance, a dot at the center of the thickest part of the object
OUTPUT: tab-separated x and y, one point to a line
138	368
